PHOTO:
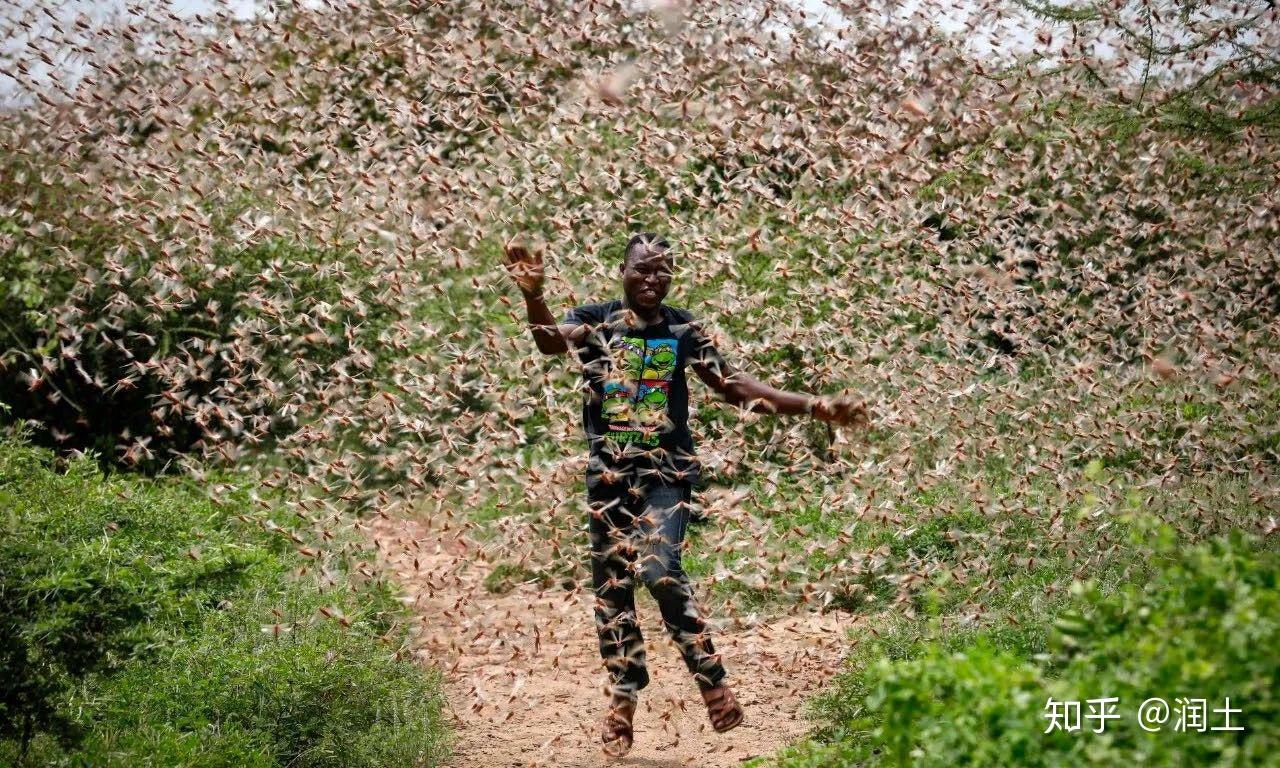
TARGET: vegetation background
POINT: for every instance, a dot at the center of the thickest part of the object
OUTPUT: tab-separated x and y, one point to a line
253	299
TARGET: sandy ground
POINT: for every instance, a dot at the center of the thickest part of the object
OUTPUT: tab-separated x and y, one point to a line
525	681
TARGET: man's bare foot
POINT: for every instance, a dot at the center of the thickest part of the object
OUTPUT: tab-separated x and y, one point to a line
616	729
723	709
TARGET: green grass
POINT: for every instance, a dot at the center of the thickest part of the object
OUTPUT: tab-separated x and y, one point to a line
143	624
923	696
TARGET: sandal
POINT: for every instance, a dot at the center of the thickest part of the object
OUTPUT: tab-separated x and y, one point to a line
723	709
616	729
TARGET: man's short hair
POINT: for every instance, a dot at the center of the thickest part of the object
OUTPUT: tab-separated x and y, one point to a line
645	241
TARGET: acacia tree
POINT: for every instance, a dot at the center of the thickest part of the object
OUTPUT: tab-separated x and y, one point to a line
1204	65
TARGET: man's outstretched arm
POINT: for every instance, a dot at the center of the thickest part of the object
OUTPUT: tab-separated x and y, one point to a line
550	337
748	392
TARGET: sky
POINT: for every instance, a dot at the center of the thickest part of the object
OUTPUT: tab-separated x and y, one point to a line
994	38
101	12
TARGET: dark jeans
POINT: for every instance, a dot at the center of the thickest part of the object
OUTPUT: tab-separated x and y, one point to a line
637	533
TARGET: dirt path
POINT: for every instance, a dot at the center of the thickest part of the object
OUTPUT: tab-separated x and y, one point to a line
525	680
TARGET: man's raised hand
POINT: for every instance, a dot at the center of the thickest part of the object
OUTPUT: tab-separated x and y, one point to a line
525	268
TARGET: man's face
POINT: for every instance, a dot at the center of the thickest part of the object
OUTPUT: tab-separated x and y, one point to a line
646	278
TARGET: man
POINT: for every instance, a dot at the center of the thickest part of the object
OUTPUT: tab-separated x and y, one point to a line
642	464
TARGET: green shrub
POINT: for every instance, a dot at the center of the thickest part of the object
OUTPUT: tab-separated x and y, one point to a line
90	571
132	617
1198	630
139	346
318	694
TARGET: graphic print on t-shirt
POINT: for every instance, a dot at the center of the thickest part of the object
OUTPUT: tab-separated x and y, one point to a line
636	406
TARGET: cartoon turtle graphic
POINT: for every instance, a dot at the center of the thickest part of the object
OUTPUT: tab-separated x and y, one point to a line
616	405
630	356
651	408
662	359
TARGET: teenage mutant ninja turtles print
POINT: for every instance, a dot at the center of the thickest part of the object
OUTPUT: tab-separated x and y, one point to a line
660	360
617	402
636	404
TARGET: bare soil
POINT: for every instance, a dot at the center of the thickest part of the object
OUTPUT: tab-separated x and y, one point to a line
525	681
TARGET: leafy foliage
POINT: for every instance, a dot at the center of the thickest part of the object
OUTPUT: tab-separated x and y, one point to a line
1192	631
141	349
131	626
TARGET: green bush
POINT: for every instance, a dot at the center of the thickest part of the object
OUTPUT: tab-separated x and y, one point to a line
1199	629
316	695
132	616
141	347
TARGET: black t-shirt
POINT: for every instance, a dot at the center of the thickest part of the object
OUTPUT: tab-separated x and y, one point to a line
636	405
